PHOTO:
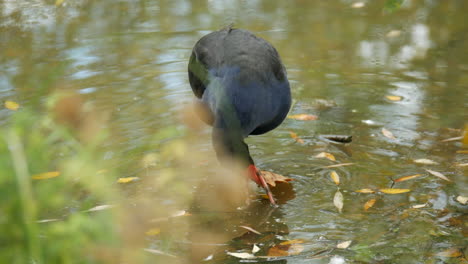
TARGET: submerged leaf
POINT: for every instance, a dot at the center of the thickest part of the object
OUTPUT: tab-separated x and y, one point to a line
272	178
335	177
405	178
338	165
11	105
303	117
439	175
369	204
243	255
326	155
100	208
153	232
292	241
450	253
394	191
46	175
365	191
387	133
295	137
285	249
338	200
344	244
127	179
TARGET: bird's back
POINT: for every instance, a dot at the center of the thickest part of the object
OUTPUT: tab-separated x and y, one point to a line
234	71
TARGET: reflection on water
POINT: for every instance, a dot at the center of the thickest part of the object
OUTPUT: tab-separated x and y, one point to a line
130	58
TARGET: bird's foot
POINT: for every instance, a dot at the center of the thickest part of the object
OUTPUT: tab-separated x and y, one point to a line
257	177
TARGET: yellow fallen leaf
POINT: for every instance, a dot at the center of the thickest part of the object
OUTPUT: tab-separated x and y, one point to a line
405	178
335	177
394	191
153	232
344	244
393	97
365	191
11	105
338	201
438	175
387	133
272	178
303	117
295	137
127	179
450	253
46	175
325	155
369	204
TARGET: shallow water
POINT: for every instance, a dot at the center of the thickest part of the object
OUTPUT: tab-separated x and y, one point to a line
130	59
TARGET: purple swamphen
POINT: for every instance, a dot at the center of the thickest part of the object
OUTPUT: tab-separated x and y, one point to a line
242	89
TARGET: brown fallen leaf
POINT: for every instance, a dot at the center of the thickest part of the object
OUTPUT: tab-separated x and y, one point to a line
11	105
46	175
338	201
335	177
394	191
286	249
344	244
393	98
450	253
326	155
369	204
272	178
405	178
365	191
387	133
295	137
303	117
439	175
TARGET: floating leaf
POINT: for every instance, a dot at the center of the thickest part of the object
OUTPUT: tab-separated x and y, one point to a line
243	255
255	249
439	175
369	204
425	161
335	177
394	191
292	241
100	208
272	178
365	191
153	232
11	105
325	155
405	178
338	200
417	206
393	33
387	133
285	249
393	98
338	165
450	253
295	137
462	199
344	244
127	179
251	229
46	175
358	5
303	117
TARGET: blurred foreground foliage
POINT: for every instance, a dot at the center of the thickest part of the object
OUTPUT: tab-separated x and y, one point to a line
48	219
